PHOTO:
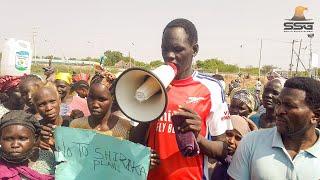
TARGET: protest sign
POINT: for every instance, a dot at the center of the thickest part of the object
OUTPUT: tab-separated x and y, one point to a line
86	154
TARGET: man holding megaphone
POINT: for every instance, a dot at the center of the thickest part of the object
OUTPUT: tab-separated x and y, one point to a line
196	110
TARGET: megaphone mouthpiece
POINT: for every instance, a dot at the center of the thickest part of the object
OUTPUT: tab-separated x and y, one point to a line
141	94
151	86
174	67
147	89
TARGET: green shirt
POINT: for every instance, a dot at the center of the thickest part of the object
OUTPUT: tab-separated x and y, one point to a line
262	155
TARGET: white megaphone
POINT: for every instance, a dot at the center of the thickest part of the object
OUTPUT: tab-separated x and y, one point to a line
141	94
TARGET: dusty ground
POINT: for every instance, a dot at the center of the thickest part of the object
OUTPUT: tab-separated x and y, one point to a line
245	83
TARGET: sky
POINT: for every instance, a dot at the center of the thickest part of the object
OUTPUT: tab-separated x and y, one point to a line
227	30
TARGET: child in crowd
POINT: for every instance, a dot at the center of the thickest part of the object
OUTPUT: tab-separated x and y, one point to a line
233	137
19	156
27	86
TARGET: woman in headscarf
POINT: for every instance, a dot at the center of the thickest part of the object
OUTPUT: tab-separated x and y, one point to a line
242	103
241	127
69	102
80	84
19	132
10	96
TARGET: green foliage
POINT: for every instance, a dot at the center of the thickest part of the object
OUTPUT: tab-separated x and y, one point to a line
37	69
250	70
57	58
89	59
112	57
156	63
267	68
208	65
211	65
300	73
48	57
142	65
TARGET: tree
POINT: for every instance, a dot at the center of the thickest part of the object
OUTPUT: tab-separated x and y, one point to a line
48	57
156	63
267	68
142	65
250	70
112	57
57	58
211	65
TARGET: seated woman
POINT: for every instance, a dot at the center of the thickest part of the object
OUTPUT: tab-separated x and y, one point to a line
100	103
27	86
233	137
47	103
69	102
19	157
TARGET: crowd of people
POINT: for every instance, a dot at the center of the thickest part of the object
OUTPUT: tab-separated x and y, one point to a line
244	137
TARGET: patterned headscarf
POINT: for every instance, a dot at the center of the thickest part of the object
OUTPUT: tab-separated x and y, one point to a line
81	77
244	96
9	82
102	76
80	80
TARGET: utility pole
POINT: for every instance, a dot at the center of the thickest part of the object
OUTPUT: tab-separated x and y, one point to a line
291	65
260	57
34	34
130	65
298	57
310	36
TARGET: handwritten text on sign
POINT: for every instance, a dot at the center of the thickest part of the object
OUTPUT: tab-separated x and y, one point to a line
87	154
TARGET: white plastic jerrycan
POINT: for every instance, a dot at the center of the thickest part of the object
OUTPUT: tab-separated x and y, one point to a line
16	58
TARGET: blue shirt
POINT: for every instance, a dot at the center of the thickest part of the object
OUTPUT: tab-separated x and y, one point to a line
262	155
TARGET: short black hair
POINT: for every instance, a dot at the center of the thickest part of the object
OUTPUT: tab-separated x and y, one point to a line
188	26
79	84
30	78
311	88
218	77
